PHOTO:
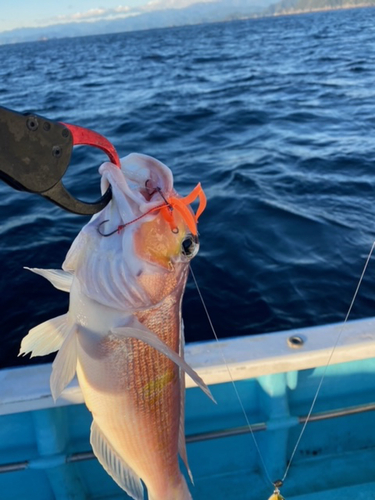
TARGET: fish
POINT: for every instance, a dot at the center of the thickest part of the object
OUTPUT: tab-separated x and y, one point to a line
126	273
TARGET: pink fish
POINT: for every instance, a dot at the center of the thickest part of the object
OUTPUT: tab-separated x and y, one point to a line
126	274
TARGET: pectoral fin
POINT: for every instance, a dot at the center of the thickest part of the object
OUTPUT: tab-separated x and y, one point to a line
65	364
45	338
141	333
60	279
114	465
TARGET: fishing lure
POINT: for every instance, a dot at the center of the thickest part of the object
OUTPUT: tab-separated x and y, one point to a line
276	495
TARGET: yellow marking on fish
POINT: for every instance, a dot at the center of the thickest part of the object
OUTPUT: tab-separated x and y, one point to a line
276	496
153	389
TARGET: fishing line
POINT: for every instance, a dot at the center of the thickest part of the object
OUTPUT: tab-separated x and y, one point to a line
329	360
232	380
123	226
280	483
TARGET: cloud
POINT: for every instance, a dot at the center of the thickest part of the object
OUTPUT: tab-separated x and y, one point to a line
121	11
172	4
120	8
98	14
92	13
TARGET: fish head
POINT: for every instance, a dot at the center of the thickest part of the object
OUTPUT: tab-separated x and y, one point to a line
167	250
138	249
165	239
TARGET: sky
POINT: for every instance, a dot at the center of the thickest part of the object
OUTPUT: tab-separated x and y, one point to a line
36	13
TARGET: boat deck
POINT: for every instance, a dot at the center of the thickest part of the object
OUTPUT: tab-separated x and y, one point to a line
45	452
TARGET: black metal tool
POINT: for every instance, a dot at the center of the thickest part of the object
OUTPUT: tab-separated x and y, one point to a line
35	153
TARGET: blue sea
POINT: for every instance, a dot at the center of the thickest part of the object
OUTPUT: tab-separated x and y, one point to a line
275	117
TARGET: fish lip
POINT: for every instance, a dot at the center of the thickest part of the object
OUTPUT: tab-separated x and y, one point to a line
150	179
141	185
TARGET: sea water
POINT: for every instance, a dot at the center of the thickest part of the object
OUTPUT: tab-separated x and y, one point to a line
275	117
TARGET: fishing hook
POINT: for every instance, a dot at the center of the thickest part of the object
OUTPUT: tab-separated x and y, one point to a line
112	232
158	189
122	226
153	192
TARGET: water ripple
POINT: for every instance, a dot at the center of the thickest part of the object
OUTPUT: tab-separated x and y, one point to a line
273	116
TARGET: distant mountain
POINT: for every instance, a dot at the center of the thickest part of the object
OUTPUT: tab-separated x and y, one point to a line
299	6
204	12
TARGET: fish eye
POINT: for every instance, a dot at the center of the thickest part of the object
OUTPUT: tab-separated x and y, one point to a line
190	246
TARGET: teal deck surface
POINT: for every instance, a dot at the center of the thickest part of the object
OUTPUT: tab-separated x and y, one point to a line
335	459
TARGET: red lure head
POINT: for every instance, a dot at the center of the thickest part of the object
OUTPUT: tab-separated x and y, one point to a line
181	205
166	210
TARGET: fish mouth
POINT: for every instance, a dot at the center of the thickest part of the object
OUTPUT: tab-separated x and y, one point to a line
149	180
139	189
143	187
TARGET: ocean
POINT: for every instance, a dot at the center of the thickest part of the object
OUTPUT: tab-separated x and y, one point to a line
275	117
